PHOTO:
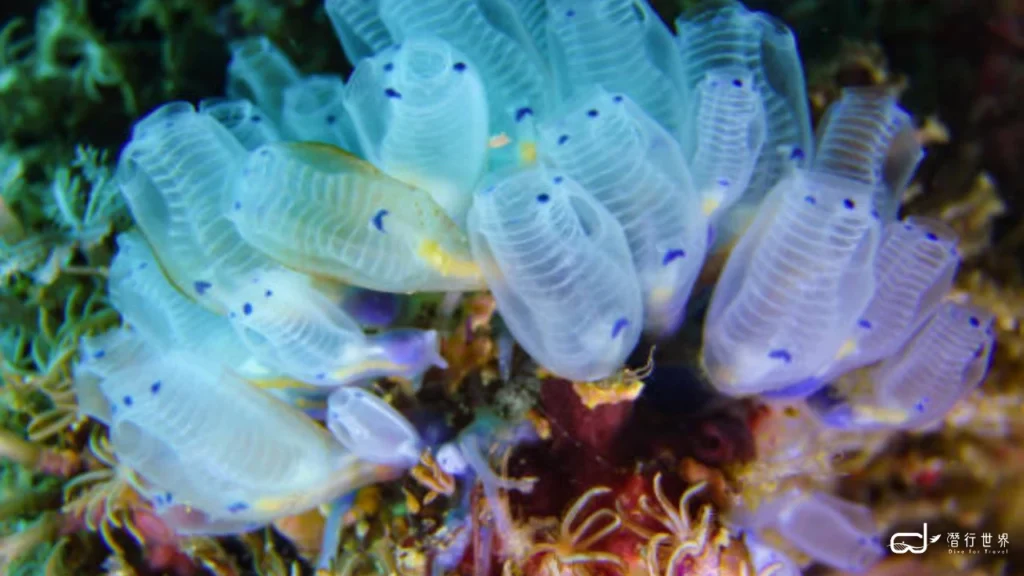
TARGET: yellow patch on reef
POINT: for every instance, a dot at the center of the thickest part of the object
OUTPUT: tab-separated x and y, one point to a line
540	424
710	205
365	366
625	386
879	414
281	384
593	394
276	504
848	347
412	504
660	297
329	156
528	153
366	504
429	474
309	403
448	265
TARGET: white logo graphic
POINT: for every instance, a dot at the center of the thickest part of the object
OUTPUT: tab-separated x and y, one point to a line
903	547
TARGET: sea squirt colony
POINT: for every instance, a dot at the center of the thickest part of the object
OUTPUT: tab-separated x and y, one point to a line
576	159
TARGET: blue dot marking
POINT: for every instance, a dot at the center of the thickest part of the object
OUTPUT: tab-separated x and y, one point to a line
619	326
256	119
201	287
797	154
543	198
931	236
723	182
592	113
378	220
155	387
570	13
238	205
781	354
563	139
459	66
558	179
331	118
672	255
392	93
238	507
737	83
810	200
268	293
523	113
247	308
848	203
127	400
974	321
617	98
864	324
389	67
99	354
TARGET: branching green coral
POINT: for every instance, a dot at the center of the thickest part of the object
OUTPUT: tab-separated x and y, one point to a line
23	494
68	46
11	167
86	214
82	208
64	58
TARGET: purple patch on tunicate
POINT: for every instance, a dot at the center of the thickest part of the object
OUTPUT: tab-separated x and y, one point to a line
404	347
